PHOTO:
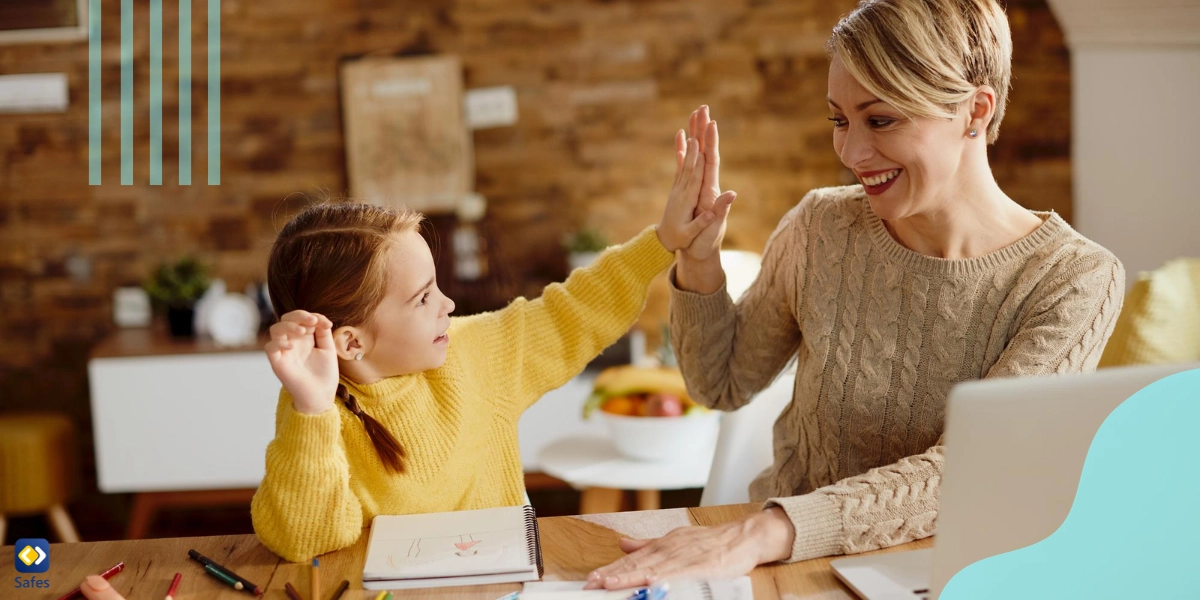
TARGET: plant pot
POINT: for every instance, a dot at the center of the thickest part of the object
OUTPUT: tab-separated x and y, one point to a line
181	321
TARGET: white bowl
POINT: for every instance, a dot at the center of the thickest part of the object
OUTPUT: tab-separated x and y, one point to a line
663	438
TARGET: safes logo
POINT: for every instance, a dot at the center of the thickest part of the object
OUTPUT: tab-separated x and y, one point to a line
31	555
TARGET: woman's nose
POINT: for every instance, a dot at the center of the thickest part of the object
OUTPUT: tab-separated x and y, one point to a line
856	147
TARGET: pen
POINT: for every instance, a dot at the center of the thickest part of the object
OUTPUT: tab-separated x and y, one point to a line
107	575
341	589
381	596
246	585
315	592
224	577
174	587
291	591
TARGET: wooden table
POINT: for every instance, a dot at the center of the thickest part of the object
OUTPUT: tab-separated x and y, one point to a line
571	546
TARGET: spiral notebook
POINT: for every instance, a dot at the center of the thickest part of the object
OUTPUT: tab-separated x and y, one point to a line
470	547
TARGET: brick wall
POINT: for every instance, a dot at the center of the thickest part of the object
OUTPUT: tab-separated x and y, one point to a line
602	86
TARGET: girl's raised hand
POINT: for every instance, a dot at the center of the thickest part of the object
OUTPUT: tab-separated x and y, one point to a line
682	219
303	357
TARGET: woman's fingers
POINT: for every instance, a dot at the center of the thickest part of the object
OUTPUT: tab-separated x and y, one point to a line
627	545
712	157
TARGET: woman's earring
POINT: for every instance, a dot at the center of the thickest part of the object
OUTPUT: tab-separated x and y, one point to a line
358	356
973	133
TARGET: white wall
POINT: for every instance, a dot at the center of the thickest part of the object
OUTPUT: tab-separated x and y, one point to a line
1136	126
1136	151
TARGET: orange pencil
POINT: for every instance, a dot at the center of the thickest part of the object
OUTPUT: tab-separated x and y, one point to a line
315	593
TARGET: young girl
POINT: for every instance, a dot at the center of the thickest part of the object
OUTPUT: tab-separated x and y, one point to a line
389	406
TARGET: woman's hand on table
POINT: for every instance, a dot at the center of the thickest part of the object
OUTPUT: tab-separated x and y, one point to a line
728	550
95	587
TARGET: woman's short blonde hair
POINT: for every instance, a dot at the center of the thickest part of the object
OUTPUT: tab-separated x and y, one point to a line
925	57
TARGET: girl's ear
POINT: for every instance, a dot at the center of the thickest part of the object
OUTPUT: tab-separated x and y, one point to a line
348	342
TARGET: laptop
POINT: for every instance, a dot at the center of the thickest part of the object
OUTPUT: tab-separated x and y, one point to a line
1014	454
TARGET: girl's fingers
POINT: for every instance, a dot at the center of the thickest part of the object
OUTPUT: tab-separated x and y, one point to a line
324	335
693	229
680	152
302	317
287	329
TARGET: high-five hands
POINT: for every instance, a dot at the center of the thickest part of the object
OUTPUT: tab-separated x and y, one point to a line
703	129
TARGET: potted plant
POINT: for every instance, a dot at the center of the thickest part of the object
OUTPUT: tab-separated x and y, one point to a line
584	246
177	287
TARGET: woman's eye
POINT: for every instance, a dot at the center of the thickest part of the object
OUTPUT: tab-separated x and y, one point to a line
838	122
880	122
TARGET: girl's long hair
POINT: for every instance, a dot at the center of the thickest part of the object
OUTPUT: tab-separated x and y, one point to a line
331	259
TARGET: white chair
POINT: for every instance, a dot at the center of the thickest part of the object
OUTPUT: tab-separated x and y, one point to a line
745	443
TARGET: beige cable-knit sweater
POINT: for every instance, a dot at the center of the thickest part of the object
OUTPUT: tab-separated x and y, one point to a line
880	334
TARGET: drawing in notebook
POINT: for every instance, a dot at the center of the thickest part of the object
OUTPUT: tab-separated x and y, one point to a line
472	550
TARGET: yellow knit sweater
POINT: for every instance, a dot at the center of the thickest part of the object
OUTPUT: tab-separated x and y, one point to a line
458	423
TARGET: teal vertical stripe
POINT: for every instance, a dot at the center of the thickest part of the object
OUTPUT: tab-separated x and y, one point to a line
185	92
126	92
214	92
94	116
156	92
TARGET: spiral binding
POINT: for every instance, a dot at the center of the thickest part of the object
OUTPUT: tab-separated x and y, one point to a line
706	590
534	543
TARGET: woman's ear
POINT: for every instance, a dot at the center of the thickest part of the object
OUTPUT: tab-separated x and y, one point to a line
349	342
981	108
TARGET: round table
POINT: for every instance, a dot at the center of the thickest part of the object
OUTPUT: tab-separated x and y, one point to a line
591	464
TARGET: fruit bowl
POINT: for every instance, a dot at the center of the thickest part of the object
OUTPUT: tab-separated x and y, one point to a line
662	438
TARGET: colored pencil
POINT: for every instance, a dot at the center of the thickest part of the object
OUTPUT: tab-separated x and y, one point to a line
174	587
117	568
246	585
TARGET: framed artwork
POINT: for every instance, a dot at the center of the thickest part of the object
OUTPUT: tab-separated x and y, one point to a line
406	137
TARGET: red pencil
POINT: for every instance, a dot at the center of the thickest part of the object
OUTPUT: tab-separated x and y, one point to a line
174	586
107	575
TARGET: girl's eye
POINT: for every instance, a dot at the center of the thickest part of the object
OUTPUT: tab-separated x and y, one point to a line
838	122
424	297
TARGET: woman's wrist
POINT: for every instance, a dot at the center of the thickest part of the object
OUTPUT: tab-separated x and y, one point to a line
698	276
773	534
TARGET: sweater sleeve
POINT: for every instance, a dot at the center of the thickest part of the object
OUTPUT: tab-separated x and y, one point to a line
1070	316
729	352
533	346
304	505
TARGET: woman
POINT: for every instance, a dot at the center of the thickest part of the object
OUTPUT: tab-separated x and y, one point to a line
886	293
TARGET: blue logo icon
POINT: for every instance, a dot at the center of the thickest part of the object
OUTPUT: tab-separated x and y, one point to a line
31	555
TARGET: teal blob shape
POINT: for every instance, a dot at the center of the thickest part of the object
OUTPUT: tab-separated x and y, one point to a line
1134	528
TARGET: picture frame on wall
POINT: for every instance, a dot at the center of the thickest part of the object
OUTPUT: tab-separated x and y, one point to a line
407	142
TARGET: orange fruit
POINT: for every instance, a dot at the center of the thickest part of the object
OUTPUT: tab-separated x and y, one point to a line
621	405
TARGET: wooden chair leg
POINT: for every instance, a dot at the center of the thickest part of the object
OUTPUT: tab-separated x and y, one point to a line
61	522
600	500
3	526
649	500
140	516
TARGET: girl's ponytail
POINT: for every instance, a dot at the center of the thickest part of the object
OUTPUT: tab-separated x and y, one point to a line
389	450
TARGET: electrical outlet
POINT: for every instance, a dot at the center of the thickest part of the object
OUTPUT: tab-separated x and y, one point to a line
490	107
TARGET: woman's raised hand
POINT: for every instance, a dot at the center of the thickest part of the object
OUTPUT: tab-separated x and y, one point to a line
682	219
303	357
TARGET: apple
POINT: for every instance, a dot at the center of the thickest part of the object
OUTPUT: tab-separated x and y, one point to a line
664	405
